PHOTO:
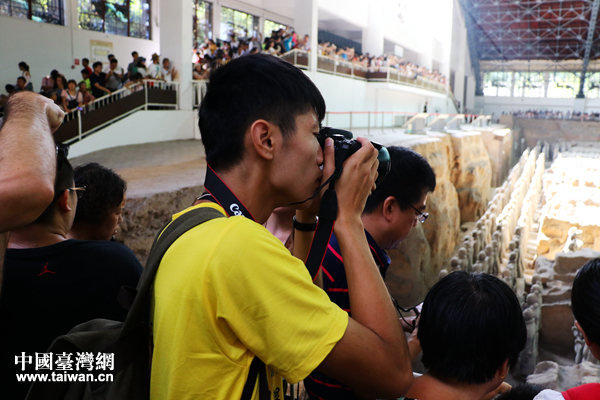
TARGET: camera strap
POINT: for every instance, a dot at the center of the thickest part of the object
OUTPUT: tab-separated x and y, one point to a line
219	192
318	247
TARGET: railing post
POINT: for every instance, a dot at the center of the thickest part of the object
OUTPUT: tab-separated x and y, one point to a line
382	117
79	122
295	57
177	94
369	124
327	118
350	121
388	74
146	95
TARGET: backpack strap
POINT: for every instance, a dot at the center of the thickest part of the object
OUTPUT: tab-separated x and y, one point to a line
174	229
141	305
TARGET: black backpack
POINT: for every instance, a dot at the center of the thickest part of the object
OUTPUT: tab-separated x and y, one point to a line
129	341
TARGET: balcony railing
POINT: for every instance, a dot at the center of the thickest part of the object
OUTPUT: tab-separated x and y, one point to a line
115	106
328	65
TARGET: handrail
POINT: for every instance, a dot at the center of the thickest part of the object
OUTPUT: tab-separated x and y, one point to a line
154	96
392	75
377	119
198	91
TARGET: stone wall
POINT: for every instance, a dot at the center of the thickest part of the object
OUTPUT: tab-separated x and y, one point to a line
534	130
144	216
463	172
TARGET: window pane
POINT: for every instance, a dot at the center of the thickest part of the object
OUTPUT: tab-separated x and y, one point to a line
48	11
497	83
140	19
119	17
271	26
563	85
90	16
115	17
202	23
241	24
15	8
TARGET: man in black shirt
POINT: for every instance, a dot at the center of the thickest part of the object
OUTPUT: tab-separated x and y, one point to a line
53	284
97	80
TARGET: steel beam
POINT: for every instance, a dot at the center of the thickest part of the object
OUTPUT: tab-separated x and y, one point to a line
474	53
588	47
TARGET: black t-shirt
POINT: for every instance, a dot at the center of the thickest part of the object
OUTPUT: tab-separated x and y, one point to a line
49	290
100	80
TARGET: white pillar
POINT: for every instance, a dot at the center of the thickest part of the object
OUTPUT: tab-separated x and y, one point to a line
216	21
306	21
176	44
372	36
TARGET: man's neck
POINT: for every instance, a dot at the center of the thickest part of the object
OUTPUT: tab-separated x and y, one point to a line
36	235
427	387
371	225
249	186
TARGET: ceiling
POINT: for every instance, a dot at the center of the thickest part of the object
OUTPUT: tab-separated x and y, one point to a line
506	30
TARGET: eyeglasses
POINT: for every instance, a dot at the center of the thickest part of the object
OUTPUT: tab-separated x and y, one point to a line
400	310
422	216
78	190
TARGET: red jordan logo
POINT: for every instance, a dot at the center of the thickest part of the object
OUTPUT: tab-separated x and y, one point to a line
46	270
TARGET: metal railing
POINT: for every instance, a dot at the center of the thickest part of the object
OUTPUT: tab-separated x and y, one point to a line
328	65
147	86
374	121
198	92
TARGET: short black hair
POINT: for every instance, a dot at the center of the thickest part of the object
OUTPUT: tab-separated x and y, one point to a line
96	64
110	56
133	53
20	78
104	192
470	324
72	81
62	182
524	391
410	175
85	59
114	60
82	83
585	299
258	86
9	88
85	71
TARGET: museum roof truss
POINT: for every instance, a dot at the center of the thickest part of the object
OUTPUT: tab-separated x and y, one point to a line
533	29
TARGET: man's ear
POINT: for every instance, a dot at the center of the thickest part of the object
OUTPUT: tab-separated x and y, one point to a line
390	207
64	201
503	370
263	137
587	341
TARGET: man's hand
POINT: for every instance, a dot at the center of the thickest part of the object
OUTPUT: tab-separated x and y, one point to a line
357	181
29	105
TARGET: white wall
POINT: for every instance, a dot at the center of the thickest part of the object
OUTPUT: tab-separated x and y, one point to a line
139	127
46	47
344	95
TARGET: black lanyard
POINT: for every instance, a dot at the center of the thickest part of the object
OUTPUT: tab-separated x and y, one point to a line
220	193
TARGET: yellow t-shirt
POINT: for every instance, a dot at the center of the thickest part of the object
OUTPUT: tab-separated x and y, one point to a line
228	290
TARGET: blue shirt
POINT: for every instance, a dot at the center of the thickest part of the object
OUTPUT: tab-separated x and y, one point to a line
335	284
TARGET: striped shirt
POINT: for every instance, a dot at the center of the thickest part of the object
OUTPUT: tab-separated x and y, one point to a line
335	284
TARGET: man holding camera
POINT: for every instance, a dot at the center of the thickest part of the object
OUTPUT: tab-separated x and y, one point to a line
391	211
228	291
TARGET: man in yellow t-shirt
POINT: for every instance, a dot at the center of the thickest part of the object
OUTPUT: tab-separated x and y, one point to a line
228	291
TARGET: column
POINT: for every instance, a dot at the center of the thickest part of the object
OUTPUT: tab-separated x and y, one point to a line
176	38
307	22
372	36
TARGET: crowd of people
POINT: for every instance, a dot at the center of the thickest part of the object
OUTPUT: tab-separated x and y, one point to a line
94	82
228	292
556	114
212	54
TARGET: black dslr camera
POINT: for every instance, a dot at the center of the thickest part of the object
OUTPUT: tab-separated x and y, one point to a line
345	146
